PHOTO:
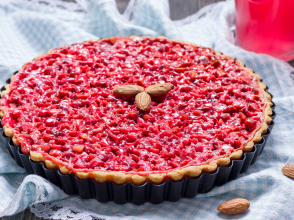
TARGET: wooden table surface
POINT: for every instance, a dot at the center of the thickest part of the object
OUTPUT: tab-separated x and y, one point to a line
178	9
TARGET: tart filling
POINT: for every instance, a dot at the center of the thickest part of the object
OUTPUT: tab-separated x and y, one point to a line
61	109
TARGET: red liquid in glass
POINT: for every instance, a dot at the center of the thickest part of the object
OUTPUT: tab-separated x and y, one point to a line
266	26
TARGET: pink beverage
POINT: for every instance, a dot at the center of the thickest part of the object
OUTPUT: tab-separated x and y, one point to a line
266	26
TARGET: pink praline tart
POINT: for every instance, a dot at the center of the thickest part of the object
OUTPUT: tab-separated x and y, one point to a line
61	109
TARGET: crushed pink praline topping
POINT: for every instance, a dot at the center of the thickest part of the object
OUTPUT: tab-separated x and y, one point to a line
62	105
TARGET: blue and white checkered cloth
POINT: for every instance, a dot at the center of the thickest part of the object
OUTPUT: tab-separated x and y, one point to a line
28	29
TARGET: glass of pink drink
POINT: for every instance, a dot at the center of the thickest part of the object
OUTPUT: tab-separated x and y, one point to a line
266	26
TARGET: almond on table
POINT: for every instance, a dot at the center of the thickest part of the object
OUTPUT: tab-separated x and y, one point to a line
234	206
288	170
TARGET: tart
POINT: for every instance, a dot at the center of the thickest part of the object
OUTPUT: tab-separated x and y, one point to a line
61	109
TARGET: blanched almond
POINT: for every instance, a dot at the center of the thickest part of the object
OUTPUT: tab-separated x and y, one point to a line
78	148
112	40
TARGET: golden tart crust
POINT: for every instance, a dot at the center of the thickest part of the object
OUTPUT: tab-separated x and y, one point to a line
157	177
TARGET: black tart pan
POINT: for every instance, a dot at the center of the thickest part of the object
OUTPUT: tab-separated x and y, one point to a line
149	192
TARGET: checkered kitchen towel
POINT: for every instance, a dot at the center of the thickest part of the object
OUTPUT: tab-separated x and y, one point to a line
30	28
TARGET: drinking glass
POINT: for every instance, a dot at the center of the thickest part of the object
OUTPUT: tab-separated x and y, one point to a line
266	26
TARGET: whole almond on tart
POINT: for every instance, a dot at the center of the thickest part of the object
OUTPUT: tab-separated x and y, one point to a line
143	101
234	206
159	89
288	170
128	90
